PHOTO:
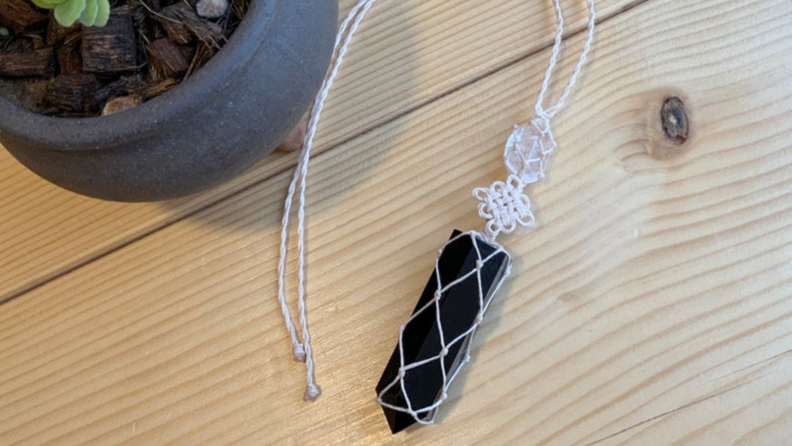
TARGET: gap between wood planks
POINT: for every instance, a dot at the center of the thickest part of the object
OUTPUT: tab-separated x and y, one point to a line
600	20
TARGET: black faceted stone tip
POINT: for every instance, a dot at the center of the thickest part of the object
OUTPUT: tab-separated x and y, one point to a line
459	306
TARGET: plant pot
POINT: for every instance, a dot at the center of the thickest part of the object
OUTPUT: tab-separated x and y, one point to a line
215	125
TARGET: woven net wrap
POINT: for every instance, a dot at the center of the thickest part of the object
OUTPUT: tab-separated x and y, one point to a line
435	341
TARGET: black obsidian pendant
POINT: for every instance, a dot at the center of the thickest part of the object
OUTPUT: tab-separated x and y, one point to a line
435	341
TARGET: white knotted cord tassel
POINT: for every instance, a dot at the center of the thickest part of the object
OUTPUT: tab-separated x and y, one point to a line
302	348
504	205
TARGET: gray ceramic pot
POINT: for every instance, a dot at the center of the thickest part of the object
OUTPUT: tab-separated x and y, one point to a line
213	126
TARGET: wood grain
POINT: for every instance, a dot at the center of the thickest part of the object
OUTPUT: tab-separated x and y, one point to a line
652	304
406	54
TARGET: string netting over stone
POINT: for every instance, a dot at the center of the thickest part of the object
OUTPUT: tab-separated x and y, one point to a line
436	340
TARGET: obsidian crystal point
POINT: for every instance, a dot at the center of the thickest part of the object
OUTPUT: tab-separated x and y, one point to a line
458	305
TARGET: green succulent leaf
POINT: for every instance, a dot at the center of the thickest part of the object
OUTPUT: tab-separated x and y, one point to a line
48	4
68	12
88	16
103	13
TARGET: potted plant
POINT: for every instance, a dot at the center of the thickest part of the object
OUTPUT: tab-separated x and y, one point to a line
215	124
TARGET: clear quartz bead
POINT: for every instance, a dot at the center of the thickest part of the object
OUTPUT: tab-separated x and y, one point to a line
526	150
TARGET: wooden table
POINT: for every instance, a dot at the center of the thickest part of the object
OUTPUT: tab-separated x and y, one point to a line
652	303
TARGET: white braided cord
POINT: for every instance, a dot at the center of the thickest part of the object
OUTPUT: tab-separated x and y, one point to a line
302	348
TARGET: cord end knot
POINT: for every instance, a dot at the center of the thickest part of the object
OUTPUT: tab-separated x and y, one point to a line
541	121
299	353
312	392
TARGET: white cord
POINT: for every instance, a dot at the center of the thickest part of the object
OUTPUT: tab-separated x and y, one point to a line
302	349
551	111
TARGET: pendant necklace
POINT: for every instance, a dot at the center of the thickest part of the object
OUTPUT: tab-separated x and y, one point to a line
435	341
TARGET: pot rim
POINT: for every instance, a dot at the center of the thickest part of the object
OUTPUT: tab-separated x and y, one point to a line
103	132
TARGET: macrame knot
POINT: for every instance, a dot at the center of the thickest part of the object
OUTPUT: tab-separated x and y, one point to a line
504	206
299	353
541	121
312	392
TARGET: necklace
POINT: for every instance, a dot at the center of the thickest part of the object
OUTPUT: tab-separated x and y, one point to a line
435	341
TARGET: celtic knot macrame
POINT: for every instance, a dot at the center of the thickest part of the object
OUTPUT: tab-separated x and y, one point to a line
504	206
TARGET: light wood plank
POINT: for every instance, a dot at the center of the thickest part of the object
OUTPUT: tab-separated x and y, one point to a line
650	306
758	415
406	53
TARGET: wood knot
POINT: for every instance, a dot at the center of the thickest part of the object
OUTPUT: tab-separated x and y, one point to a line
675	121
669	136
